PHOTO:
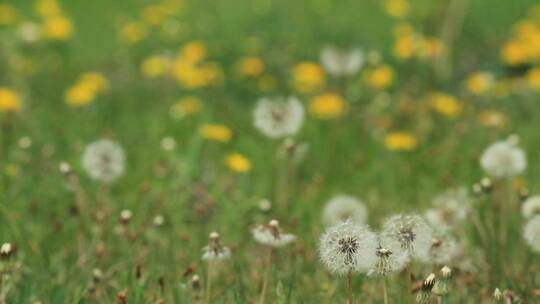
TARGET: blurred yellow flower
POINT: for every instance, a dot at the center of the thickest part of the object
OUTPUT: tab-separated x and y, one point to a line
445	104
193	52
308	77
9	100
479	83
153	15
57	28
154	66
237	163
533	78
400	141
380	77
397	8
133	32
404	47
8	15
514	53
403	29
48	8
327	106
431	48
79	95
96	81
216	132
493	119
186	106
251	66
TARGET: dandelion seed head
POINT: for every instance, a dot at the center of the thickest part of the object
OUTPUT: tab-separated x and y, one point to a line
411	232
531	233
451	208
343	208
271	235
443	247
104	160
390	256
339	62
531	207
279	117
503	159
348	247
214	251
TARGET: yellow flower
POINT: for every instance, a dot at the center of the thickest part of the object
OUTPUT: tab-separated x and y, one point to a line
397	8
95	81
58	28
216	132
8	15
48	8
400	141
533	78
493	119
154	66
380	77
514	53
431	48
133	32
478	83
327	106
153	14
193	52
445	104
237	163
9	100
404	47
186	106
251	66
308	77
80	95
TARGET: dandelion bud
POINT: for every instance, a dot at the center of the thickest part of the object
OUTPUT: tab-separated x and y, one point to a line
158	220
97	275
523	194
65	168
125	216
497	295
446	272
486	184
7	250
477	189
214	236
430	280
121	297
265	205
424	295
195	282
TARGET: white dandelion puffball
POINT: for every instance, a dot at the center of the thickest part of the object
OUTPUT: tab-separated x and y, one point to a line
341	62
343	208
348	247
214	251
443	248
412	232
104	160
390	257
531	207
531	233
451	208
503	159
271	235
279	117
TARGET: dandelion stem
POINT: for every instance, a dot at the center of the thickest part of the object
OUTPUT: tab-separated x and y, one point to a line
209	282
384	290
349	287
266	275
408	284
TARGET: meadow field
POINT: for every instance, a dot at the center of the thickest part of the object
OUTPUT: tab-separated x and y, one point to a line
269	151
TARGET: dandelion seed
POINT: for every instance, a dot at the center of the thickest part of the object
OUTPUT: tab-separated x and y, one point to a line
390	257
271	235
503	159
214	251
411	232
531	207
531	233
278	117
342	208
339	62
104	160
348	247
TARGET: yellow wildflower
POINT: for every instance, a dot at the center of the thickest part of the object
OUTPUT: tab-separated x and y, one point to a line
327	106
238	163
9	100
380	77
8	15
133	32
404	47
80	95
308	77
397	8
48	8
533	78
216	132
400	141
514	53
193	52
153	15
95	81
186	106
478	83
58	28
154	66
445	104
251	66
493	119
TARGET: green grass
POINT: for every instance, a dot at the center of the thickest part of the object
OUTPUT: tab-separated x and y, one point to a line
194	190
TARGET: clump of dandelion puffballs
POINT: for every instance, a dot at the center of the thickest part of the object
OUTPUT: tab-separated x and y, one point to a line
503	159
343	208
531	207
411	232
270	235
449	208
531	233
278	117
338	62
104	160
212	253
